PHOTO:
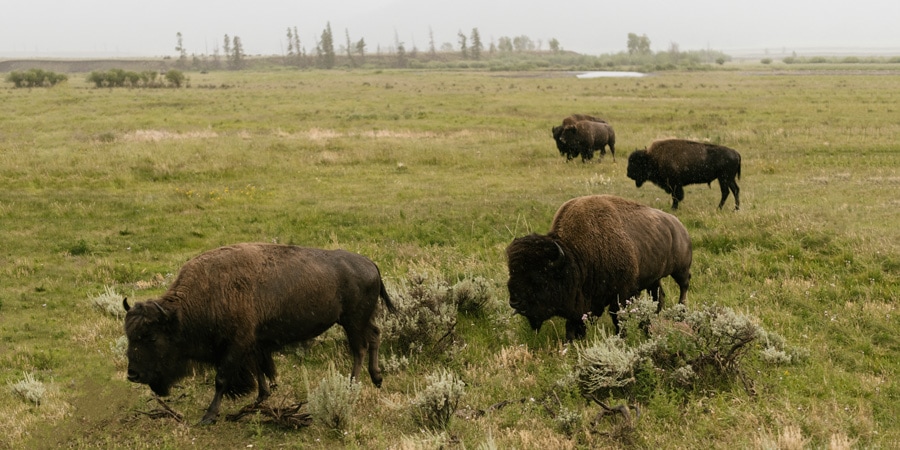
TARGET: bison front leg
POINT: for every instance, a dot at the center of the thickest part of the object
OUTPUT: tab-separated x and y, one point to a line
677	195
212	411
575	329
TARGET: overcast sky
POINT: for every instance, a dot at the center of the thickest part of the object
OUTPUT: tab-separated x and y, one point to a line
124	28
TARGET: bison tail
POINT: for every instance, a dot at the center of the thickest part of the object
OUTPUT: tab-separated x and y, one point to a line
387	300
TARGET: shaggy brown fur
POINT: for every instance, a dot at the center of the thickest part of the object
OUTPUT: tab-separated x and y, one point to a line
601	250
674	163
586	137
565	150
233	306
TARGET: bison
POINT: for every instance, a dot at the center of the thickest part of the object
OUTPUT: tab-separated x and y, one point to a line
601	250
674	163
586	137
233	306
565	150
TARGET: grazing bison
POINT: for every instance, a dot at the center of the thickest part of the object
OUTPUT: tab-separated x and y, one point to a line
600	251
674	163
233	306
586	137
574	118
565	150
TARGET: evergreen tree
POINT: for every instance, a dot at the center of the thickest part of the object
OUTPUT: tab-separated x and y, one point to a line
237	49
325	49
290	40
476	44
401	52
227	50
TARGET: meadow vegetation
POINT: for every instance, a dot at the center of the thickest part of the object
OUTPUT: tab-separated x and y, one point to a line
107	192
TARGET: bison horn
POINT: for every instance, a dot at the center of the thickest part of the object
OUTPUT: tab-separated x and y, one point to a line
125	303
163	311
562	255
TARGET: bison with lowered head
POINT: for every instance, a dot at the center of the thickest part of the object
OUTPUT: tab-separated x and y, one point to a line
674	163
585	137
601	250
566	150
233	306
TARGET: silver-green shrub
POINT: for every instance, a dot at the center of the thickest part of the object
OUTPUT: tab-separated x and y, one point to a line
425	320
332	402
109	302
29	389
434	406
677	347
605	362
471	296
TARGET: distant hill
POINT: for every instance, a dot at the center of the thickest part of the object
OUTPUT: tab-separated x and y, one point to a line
83	65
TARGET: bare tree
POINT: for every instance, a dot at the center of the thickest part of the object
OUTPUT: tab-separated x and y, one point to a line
463	48
431	50
182	53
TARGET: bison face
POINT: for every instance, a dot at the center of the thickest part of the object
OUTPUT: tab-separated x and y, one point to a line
639	167
537	278
153	358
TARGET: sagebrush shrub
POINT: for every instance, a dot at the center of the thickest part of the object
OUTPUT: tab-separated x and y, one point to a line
332	402
471	296
29	389
434	406
425	320
109	301
677	347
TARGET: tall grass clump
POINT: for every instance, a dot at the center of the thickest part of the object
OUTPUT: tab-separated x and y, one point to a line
434	406
333	401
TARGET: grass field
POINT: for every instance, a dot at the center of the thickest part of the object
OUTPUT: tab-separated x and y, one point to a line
436	173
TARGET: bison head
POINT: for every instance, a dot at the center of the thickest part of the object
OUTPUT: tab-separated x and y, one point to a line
537	278
640	167
154	357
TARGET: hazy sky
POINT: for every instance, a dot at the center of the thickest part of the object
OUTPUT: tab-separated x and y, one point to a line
123	28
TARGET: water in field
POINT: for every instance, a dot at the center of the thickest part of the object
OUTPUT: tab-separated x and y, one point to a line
608	74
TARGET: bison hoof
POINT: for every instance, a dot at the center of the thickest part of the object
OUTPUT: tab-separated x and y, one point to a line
206	420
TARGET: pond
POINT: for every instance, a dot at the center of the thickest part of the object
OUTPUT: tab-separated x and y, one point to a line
608	74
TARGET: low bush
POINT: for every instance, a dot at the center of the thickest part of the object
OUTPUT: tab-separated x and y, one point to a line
434	406
35	78
332	402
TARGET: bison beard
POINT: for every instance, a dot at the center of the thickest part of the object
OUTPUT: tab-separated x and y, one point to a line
234	306
600	251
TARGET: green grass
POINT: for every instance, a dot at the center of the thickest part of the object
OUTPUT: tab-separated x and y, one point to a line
440	171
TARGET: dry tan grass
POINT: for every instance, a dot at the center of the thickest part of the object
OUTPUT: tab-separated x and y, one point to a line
162	135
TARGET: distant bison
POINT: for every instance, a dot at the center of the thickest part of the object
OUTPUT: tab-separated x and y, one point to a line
674	163
585	137
601	250
574	118
556	131
233	306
